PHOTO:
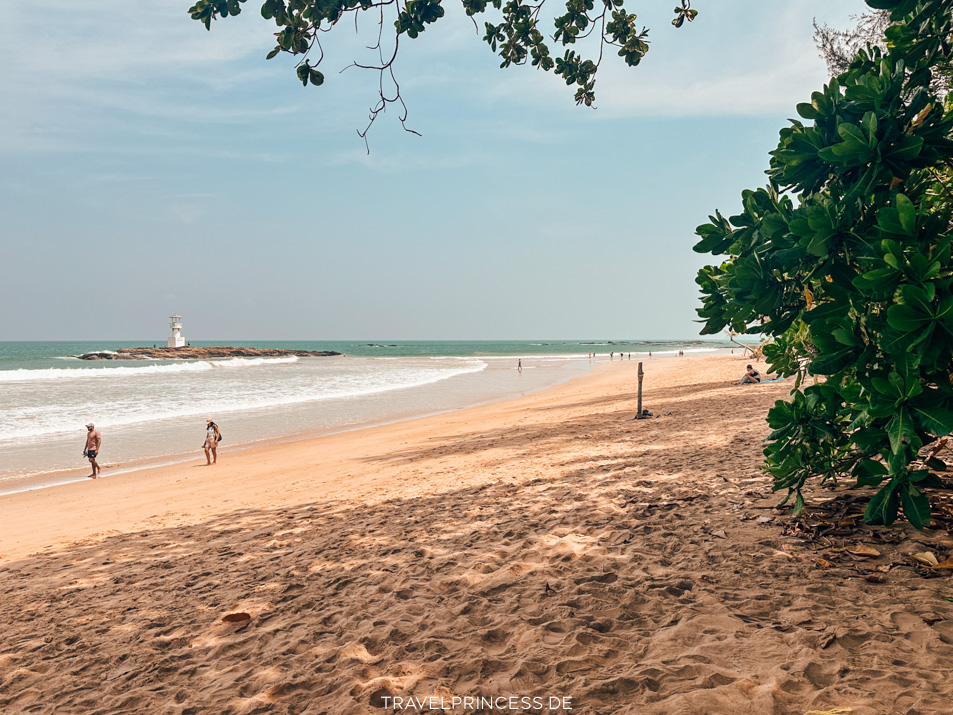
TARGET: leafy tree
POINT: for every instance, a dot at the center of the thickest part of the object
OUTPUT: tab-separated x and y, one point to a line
845	260
839	47
517	37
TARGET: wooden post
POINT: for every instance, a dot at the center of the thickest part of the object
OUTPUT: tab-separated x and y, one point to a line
638	415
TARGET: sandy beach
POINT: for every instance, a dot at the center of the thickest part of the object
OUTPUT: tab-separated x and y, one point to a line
543	550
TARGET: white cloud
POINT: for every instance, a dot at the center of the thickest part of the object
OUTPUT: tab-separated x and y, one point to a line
737	59
762	70
108	40
147	70
121	59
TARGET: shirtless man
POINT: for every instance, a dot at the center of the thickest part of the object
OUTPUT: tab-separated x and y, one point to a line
93	440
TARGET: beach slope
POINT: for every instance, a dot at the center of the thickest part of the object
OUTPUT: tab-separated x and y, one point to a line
545	547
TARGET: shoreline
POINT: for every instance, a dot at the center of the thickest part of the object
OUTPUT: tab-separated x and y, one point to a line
52	479
48	460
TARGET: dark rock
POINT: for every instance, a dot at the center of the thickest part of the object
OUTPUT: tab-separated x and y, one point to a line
199	353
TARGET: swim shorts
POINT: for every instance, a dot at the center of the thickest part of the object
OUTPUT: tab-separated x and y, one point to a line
91	454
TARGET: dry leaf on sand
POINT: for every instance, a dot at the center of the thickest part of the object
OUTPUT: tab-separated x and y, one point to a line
236	617
926	558
947	564
835	711
863	550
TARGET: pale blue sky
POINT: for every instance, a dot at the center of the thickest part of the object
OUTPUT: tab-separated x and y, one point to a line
150	167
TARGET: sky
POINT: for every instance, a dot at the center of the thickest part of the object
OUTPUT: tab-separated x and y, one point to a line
148	167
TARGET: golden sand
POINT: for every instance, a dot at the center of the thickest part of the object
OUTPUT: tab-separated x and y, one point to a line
542	548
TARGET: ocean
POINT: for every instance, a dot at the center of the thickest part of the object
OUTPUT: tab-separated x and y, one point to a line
153	411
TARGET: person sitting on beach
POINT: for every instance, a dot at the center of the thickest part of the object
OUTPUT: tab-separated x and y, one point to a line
212	437
751	376
93	440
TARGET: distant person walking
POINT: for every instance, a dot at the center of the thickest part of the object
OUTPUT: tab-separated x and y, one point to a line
519	364
93	440
212	437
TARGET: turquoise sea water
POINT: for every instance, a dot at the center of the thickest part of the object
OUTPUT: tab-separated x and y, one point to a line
32	355
154	411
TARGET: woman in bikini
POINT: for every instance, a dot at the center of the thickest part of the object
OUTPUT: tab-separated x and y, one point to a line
751	376
212	437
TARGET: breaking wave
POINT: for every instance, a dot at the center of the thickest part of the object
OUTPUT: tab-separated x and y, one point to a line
72	373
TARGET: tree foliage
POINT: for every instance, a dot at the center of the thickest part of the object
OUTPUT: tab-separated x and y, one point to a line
840	47
845	260
519	35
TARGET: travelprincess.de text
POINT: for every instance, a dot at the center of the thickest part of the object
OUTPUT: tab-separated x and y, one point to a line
477	702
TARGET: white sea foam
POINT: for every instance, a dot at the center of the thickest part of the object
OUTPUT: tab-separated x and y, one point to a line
511	358
38	420
72	373
249	362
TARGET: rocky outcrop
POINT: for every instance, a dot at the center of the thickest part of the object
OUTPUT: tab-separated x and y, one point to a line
196	353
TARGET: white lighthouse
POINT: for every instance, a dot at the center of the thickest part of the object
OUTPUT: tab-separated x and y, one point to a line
175	340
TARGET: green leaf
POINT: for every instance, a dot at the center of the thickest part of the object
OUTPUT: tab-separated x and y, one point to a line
851	132
869	123
844	337
908	214
825	311
906	318
916	506
869	466
869	480
935	463
883	506
905	150
869	473
830	363
936	420
899	429
798	503
926	480
807	110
